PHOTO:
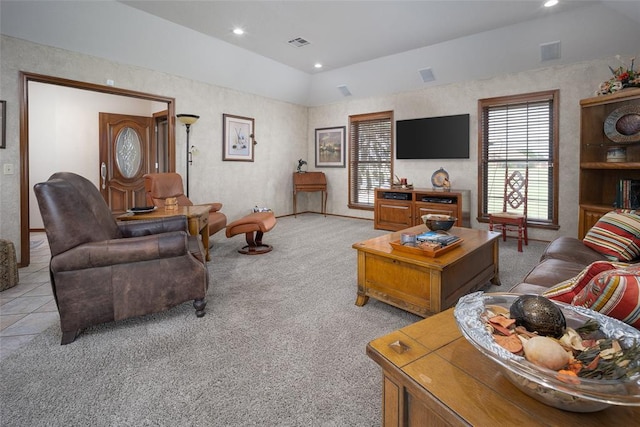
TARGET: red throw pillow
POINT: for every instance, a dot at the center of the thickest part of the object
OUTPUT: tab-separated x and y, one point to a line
567	290
615	293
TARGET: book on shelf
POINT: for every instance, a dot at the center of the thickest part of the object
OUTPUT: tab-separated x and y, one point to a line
436	237
628	194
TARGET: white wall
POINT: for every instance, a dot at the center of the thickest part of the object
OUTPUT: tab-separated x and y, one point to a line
575	81
280	129
285	132
63	132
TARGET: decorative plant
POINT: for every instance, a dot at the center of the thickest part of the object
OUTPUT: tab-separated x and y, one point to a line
623	76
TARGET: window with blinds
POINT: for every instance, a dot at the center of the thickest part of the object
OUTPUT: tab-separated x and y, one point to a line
370	154
519	132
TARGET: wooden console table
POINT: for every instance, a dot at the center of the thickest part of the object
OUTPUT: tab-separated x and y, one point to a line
310	182
432	376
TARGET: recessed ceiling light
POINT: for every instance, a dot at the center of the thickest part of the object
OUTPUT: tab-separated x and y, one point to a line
238	31
550	3
318	65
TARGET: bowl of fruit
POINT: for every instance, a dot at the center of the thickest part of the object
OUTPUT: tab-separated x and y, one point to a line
565	356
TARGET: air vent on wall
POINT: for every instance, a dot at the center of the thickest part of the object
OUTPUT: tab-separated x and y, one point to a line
427	75
298	42
344	90
549	51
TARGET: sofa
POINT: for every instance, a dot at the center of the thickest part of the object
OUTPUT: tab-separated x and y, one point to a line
600	272
563	259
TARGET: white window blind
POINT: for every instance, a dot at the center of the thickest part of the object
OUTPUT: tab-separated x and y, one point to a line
370	154
519	133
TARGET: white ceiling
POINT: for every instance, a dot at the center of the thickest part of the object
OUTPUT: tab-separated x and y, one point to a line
343	33
372	47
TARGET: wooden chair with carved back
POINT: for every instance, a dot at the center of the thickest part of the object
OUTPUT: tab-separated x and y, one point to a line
513	217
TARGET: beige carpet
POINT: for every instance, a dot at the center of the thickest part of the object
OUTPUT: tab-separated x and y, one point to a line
282	344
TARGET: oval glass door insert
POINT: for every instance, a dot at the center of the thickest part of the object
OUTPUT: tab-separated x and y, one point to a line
128	152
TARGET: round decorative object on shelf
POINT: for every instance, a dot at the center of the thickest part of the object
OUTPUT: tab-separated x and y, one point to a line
440	179
623	124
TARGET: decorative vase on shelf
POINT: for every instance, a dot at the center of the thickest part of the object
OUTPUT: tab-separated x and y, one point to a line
617	154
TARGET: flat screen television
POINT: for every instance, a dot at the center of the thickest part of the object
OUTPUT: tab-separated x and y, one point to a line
445	137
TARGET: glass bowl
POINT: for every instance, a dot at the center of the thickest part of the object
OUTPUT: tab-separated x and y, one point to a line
436	222
589	395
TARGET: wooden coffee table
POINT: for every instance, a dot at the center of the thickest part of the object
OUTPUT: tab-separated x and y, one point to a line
432	376
421	284
197	218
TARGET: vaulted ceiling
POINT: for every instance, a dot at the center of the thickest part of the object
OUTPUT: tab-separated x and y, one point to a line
370	47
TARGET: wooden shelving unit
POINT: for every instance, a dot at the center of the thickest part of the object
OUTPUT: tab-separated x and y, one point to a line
599	178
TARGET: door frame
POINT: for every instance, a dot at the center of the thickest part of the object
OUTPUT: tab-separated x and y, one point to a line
25	78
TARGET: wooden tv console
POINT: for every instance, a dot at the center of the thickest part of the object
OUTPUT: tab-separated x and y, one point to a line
397	208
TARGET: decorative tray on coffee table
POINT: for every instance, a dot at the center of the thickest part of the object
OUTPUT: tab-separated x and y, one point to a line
425	248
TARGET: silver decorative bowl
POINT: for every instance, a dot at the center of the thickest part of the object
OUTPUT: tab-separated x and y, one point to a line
436	222
589	395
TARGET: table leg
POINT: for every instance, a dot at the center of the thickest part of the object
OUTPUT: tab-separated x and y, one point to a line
194	230
362	298
495	280
204	232
325	195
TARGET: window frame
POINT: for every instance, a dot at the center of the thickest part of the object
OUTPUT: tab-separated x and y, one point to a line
353	162
552	96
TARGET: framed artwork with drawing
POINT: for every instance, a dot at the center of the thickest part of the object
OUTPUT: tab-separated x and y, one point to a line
330	147
237	138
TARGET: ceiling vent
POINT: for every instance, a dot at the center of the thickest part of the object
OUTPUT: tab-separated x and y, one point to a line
427	75
549	51
344	90
298	42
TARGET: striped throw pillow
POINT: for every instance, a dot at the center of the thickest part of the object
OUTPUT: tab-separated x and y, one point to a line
567	290
615	293
616	235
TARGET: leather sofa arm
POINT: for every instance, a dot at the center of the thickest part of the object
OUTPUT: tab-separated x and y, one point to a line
122	251
153	226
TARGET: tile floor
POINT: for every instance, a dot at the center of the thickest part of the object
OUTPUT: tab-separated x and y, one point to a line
28	308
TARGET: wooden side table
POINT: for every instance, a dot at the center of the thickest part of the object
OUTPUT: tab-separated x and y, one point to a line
310	182
197	218
432	376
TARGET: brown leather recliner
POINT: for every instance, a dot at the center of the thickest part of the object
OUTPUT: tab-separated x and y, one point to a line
102	270
160	186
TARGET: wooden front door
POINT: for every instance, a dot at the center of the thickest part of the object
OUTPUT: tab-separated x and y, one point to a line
126	154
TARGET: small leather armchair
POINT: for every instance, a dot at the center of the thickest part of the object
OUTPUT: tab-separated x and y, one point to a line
160	186
102	270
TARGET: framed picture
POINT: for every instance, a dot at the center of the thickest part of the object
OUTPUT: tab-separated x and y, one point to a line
330	147
3	125
237	138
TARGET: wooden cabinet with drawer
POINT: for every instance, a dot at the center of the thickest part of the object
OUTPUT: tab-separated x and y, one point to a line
398	208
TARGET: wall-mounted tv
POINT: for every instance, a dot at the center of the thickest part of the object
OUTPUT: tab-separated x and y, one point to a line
445	137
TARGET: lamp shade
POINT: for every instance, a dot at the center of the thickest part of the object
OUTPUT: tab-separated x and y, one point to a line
188	119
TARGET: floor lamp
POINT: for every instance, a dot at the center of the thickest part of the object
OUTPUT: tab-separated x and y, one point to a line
188	120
